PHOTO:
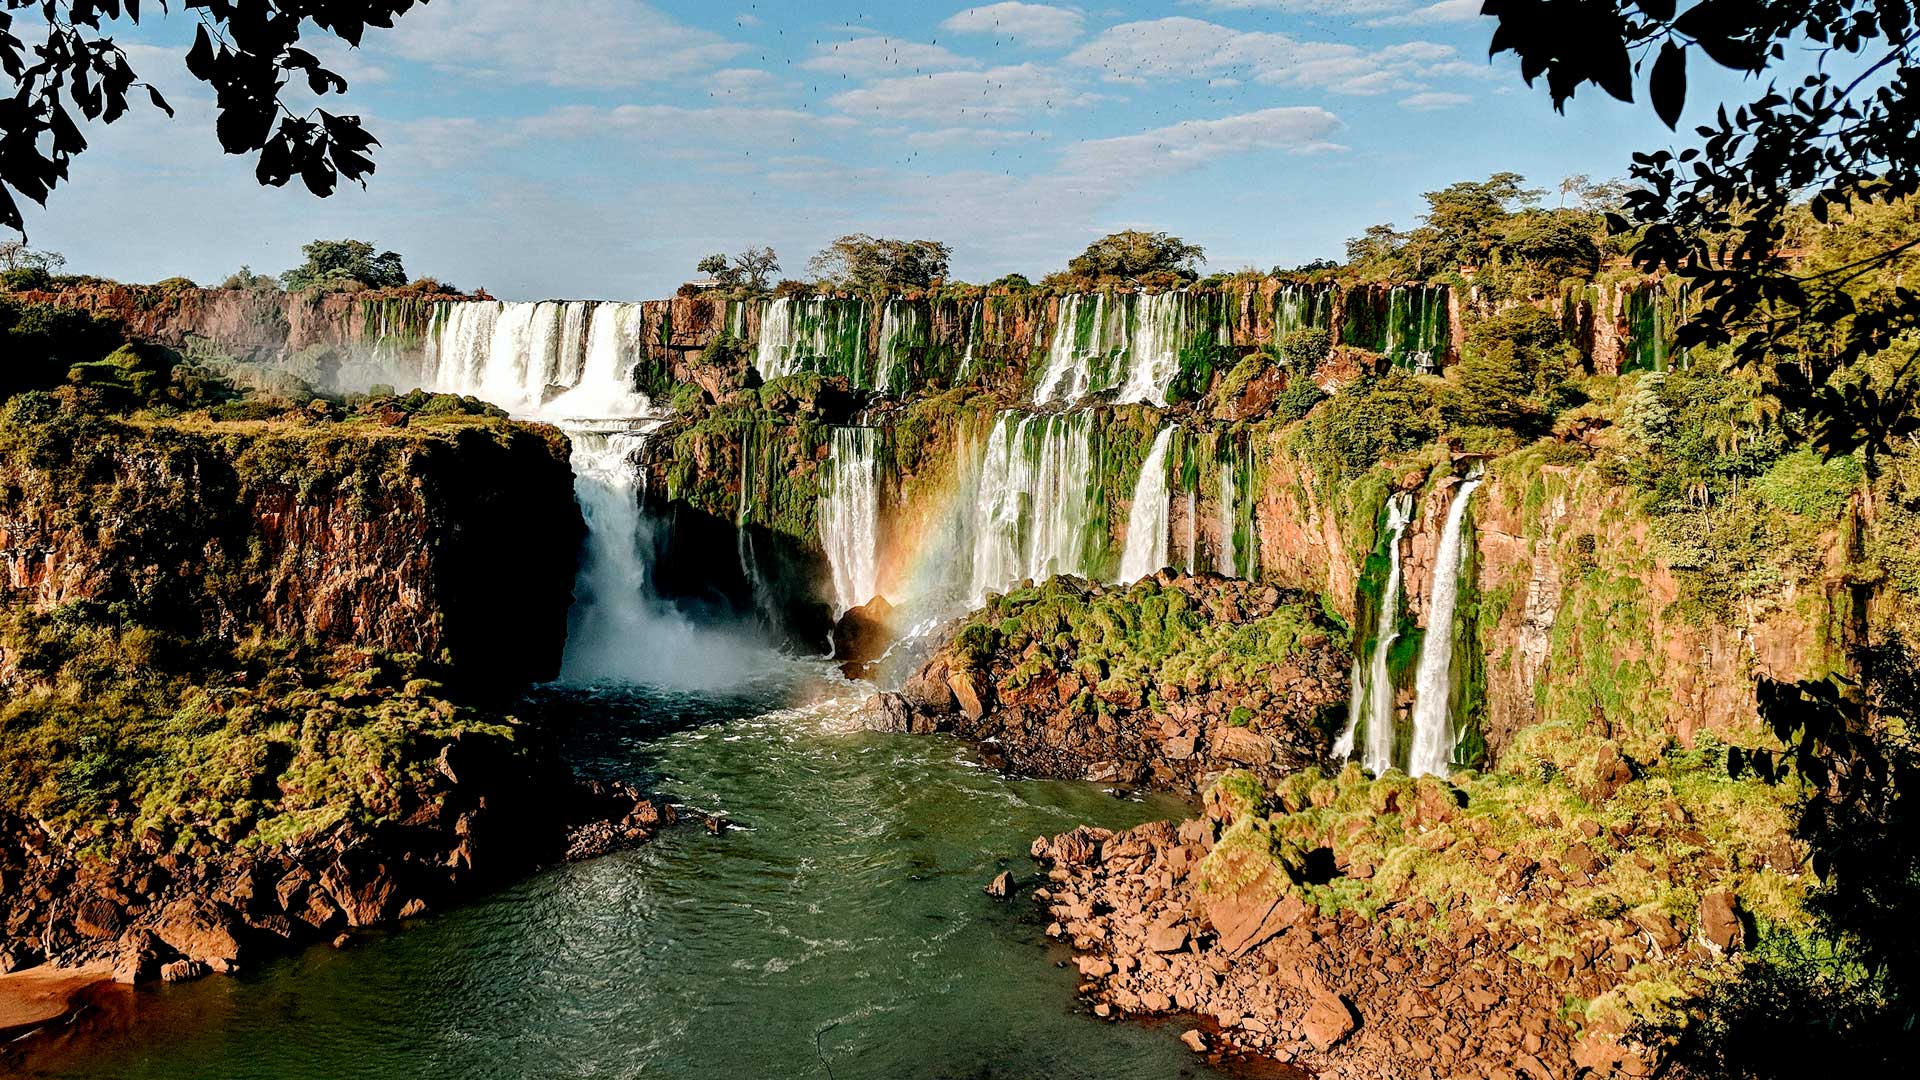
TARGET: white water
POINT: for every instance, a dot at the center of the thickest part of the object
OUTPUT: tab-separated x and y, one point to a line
618	631
1035	497
1433	686
1372	699
850	515
1132	346
1146	549
516	355
603	387
902	328
812	333
1226	559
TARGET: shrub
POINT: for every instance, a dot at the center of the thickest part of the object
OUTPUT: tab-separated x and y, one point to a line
1299	397
1306	348
1370	419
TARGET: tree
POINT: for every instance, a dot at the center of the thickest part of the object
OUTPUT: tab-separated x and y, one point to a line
867	264
1133	254
758	265
1718	214
247	50
333	264
16	255
715	266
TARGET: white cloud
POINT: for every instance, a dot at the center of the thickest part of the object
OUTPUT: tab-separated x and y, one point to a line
870	56
992	96
1306	7
940	138
1446	11
1029	24
740	86
1434	99
1184	48
1191	143
582	43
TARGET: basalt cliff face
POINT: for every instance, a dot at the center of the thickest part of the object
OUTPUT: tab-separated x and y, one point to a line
454	542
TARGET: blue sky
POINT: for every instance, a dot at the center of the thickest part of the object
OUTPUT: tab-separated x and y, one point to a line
599	148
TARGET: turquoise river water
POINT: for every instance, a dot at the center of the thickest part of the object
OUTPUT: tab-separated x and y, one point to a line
837	931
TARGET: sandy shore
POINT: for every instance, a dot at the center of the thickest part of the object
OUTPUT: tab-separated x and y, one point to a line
31	998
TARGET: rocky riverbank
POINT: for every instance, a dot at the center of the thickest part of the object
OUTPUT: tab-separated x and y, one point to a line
1165	683
1413	929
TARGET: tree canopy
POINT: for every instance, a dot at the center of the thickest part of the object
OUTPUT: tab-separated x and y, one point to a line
876	264
247	50
1132	254
344	263
1721	213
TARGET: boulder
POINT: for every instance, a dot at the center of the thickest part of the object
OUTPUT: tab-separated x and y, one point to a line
362	886
861	636
1242	746
967	694
1254	913
888	712
1167	937
1720	925
1001	886
98	917
139	957
1328	1020
1195	1039
201	930
182	971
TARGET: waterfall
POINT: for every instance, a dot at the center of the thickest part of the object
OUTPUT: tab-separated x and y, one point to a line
1433	687
1226	559
814	334
618	630
603	386
1372	701
903	331
515	354
850	513
1037	492
1146	549
1129	343
1300	307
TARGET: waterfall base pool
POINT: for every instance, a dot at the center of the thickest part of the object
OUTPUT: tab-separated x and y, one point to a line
837	930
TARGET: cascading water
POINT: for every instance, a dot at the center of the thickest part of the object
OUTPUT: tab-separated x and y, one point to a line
903	332
603	386
512	354
1372	701
1301	307
850	515
1226	559
1037	490
1129	343
1433	686
814	334
1146	549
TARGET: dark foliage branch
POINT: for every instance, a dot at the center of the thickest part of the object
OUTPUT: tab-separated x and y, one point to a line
65	68
1718	213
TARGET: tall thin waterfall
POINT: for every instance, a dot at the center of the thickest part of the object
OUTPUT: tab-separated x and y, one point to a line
903	330
1433	686
1037	491
850	515
1372	703
1129	343
1146	549
1225	558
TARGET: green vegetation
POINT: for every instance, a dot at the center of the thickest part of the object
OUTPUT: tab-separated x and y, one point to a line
865	264
1133	257
1122	641
1370	420
337	265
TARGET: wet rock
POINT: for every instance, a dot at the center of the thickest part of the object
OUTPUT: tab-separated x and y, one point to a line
182	971
861	636
967	694
139	957
1001	886
886	712
1195	1039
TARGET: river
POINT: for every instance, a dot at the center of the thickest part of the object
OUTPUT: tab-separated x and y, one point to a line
836	930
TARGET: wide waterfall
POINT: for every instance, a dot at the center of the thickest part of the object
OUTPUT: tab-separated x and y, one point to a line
850	515
1037	493
520	355
1146	549
815	334
1301	307
1433	686
1417	325
1372	703
1128	343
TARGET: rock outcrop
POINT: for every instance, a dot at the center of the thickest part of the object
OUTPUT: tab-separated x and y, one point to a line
1166	683
452	540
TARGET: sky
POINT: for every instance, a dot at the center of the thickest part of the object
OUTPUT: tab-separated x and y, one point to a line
597	149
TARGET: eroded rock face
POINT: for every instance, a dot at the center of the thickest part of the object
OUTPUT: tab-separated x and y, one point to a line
458	541
1045	713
